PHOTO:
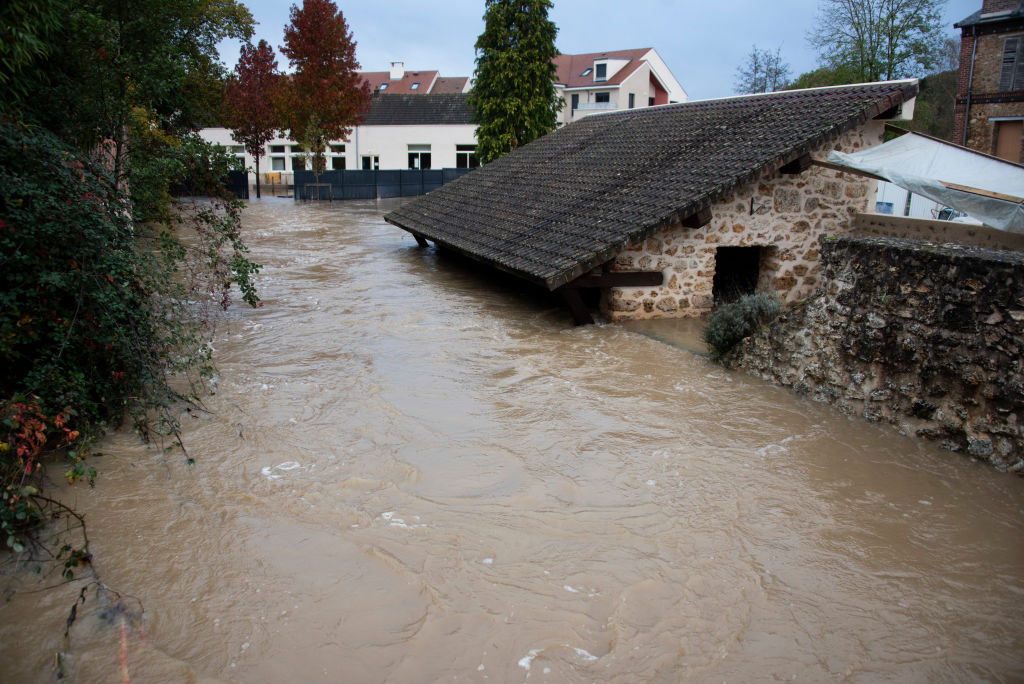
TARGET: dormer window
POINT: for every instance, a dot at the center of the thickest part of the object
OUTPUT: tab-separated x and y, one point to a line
586	72
602	72
415	86
383	87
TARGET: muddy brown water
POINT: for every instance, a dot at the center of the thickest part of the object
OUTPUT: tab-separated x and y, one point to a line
413	473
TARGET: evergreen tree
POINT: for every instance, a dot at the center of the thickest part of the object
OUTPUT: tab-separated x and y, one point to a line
513	96
324	98
249	100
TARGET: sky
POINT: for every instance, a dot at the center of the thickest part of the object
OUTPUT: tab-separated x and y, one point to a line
702	42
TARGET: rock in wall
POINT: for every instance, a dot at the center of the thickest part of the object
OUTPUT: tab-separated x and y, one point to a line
926	337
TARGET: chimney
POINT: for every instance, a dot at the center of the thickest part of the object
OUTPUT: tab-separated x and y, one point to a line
995	7
397	71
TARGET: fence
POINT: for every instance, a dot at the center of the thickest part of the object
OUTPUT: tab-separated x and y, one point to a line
344	185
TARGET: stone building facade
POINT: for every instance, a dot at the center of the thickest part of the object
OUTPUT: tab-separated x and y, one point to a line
989	113
779	218
923	336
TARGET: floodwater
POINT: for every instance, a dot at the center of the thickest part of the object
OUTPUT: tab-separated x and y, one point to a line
412	472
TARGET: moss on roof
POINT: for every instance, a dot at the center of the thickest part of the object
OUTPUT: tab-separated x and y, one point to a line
554	209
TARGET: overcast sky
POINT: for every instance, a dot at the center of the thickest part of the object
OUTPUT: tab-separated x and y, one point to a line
702	42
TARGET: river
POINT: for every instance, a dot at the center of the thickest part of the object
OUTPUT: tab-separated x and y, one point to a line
411	471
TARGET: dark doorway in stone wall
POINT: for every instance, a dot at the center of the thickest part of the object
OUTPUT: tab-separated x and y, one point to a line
736	272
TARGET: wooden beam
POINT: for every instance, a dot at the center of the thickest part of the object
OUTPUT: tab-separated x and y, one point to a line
845	169
891	112
798	165
698	220
573	300
983	193
618	279
420	240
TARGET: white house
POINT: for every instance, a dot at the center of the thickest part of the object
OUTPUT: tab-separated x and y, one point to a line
625	79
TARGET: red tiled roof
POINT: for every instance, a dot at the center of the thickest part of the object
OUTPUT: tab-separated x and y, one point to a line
570	67
404	85
450	85
374	78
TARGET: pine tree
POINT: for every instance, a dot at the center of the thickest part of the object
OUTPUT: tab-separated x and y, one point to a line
513	96
250	98
325	97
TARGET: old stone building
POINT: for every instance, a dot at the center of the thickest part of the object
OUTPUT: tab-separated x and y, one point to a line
665	210
989	115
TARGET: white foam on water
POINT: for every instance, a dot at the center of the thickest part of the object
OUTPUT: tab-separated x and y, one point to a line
585	655
527	660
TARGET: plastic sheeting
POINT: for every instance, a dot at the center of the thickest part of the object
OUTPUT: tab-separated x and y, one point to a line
922	165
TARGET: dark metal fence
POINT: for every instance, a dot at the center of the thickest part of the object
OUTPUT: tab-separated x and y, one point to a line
236	182
341	185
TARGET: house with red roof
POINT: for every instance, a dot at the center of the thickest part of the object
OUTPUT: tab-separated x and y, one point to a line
398	81
616	80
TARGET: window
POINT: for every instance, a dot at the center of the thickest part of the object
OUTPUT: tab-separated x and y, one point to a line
419	156
383	87
238	149
277	163
632	100
602	97
586	72
298	149
338	163
602	72
1011	71
277	149
338	149
371	162
650	102
415	86
575	101
298	164
465	157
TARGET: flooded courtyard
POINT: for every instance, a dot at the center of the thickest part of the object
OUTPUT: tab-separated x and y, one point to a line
413	472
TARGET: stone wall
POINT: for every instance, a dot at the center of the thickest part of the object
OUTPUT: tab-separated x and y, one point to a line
884	225
926	337
784	214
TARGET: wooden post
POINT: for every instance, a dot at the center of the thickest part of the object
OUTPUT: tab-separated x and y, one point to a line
572	299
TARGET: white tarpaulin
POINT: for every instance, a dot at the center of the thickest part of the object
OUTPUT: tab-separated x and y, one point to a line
993	190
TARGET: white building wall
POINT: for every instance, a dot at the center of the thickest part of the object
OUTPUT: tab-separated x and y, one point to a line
389	143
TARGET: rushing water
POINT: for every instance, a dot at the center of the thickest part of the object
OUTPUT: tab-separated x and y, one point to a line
412	472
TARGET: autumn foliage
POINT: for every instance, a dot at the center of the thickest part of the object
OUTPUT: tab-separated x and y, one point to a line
250	98
325	97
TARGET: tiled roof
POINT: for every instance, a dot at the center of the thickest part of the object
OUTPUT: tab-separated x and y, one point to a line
976	18
387	109
450	85
569	68
374	78
571	200
403	86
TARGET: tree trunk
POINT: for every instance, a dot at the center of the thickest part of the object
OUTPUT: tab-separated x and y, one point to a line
257	177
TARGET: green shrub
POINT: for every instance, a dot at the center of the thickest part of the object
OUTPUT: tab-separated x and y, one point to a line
103	315
730	323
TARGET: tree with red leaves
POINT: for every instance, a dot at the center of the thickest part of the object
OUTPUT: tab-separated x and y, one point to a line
250	99
325	97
